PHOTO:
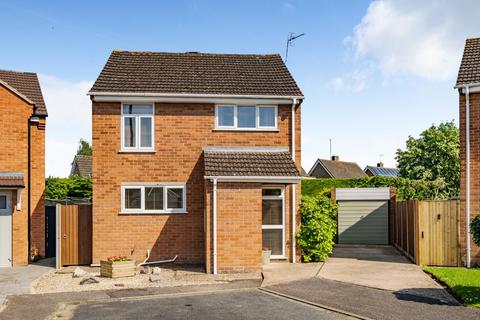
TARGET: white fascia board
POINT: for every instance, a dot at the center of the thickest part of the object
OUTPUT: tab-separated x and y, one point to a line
244	149
262	179
165	97
474	87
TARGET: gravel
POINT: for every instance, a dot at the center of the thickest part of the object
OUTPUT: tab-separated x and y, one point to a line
62	280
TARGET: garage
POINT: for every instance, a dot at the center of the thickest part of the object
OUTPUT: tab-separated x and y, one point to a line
363	215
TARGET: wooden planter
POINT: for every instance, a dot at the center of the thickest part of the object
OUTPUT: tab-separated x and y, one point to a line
110	269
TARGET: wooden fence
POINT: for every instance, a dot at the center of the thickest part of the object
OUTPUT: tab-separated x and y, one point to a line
428	231
74	234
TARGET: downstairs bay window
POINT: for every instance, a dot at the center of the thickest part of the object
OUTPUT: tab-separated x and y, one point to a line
153	198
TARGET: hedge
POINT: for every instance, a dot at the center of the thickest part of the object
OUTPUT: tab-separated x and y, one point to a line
61	188
406	189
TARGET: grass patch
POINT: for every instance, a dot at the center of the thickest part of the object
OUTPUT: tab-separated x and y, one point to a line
463	283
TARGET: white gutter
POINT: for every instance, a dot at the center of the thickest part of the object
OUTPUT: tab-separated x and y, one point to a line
214	225
294	211
467	173
189	95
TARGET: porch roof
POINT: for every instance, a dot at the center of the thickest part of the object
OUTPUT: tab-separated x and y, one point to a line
253	162
11	180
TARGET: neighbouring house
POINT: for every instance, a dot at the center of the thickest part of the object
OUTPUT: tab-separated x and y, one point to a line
81	166
381	170
468	85
22	167
196	155
336	169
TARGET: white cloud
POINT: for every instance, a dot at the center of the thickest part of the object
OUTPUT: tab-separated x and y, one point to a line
69	119
419	38
355	81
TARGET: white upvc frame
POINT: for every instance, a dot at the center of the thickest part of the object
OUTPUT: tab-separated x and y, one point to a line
138	120
142	210
257	117
277	226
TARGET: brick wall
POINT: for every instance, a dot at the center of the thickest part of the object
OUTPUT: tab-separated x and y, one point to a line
14	157
181	130
474	171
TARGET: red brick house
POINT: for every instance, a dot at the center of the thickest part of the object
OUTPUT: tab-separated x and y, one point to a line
22	167
468	85
196	155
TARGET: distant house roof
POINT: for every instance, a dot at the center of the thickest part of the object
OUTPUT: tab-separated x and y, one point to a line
25	85
381	171
81	166
11	180
338	169
469	72
196	73
248	163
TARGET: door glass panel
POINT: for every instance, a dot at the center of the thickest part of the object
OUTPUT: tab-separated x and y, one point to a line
3	202
272	212
272	240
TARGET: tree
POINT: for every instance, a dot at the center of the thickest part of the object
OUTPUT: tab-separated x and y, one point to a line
434	156
84	148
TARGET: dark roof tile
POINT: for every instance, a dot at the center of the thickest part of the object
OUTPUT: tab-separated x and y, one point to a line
469	72
196	73
26	83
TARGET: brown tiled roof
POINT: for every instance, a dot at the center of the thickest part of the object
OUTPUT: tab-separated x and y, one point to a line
11	180
342	169
196	73
82	166
469	72
249	164
26	83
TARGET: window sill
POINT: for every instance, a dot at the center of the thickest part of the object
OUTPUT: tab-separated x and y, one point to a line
152	151
248	130
151	212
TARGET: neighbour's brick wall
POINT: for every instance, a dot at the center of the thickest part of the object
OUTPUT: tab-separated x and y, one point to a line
474	171
37	187
14	157
181	130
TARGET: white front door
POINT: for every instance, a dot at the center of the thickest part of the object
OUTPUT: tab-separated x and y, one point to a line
273	221
5	228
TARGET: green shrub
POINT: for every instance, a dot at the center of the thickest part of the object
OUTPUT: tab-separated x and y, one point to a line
318	229
475	229
61	188
406	189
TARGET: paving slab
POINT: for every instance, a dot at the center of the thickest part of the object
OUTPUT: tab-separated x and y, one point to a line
381	267
281	272
17	280
375	303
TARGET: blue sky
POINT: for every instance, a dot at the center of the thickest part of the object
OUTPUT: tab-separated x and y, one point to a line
373	72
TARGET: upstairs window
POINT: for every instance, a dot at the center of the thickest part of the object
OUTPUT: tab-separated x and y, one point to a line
137	127
260	117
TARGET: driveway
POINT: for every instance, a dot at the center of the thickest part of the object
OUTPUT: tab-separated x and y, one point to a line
17	280
381	267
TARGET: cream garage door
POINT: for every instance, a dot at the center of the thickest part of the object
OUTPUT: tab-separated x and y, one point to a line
5	228
362	222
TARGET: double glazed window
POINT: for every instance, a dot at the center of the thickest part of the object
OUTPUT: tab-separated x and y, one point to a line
261	117
153	199
273	221
137	127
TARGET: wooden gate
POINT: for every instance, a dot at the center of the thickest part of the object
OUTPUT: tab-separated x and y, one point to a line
75	234
428	231
50	231
439	233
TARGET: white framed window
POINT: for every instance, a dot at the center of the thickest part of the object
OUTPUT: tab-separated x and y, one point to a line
153	198
273	220
246	117
137	133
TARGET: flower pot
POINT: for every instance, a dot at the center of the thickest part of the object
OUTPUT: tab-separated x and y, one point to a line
117	269
266	256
